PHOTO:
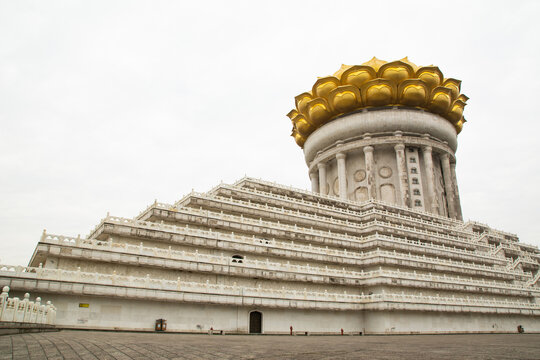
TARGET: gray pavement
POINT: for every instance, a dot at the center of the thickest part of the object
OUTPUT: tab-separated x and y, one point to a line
112	345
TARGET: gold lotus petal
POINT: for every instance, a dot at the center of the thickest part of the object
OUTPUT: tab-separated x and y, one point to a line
456	112
378	92
344	98
344	101
303	126
454	85
323	86
431	75
318	111
302	101
358	75
440	100
292	114
396	71
413	92
300	140
459	125
378	95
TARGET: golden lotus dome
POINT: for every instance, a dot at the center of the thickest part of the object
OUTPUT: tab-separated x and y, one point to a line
377	84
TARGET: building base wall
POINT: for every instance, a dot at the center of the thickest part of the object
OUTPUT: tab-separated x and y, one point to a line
105	313
126	314
415	322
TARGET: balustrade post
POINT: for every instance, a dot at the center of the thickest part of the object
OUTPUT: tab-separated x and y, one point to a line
3	301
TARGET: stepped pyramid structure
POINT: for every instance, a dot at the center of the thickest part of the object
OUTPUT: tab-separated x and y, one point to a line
377	247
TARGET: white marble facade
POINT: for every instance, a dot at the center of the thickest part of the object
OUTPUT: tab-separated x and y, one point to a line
407	166
288	257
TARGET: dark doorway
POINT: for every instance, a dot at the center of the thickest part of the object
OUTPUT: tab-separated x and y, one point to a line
255	322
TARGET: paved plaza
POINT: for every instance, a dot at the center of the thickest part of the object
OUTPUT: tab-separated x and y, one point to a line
111	345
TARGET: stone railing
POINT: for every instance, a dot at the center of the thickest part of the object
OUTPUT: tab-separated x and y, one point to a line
528	259
153	205
307	269
331	221
25	311
339	210
353	203
210	289
314	249
285	245
172	285
529	247
510	246
535	279
493	232
453	300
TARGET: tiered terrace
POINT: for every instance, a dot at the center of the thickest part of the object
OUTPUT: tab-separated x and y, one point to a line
256	243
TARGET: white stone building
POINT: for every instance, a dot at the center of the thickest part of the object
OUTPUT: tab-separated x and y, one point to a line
378	246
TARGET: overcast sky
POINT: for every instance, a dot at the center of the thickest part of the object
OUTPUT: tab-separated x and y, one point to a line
108	105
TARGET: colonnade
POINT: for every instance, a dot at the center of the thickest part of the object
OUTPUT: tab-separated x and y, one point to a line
320	184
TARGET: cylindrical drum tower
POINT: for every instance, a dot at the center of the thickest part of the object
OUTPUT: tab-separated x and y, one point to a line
385	131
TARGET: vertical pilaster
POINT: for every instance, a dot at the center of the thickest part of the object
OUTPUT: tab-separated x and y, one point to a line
342	175
323	189
457	201
370	172
402	175
430	177
448	185
314	177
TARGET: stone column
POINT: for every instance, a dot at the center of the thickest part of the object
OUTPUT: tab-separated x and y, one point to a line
457	201
402	175
430	178
342	175
448	185
370	172
314	177
322	178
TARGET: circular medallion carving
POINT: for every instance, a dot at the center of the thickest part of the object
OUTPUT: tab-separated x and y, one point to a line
385	172
360	175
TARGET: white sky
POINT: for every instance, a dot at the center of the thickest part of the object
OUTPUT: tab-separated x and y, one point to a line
108	105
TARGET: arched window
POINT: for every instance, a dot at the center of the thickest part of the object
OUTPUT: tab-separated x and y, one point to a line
237	259
416	192
415	181
417	203
414	171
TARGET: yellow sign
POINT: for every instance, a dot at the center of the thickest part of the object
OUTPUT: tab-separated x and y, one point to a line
84	305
